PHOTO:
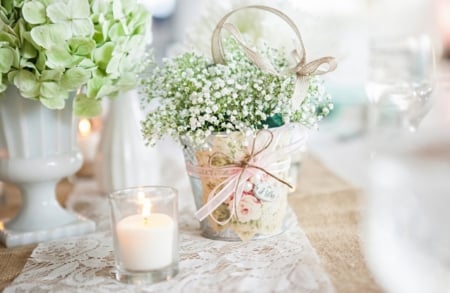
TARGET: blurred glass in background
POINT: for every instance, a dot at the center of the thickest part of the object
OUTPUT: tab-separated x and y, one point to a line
400	81
406	231
401	67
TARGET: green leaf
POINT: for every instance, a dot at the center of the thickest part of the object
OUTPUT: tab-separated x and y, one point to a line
58	12
79	9
75	15
25	63
27	50
86	64
82	27
6	59
103	55
99	7
114	66
274	121
99	87
94	85
76	60
50	35
54	103
3	18
16	60
8	5
26	36
117	10
59	57
12	75
132	43
107	90
116	31
51	75
99	37
86	107
52	95
98	73
20	29
81	46
105	28
27	83
139	18
34	12
40	62
8	38
125	65
75	77
46	2
128	81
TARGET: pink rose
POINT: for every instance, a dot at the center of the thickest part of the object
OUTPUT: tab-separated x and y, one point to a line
249	208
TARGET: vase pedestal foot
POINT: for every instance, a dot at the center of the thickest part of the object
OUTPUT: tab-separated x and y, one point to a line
41	217
12	238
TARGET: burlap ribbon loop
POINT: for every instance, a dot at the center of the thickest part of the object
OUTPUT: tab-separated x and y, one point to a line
302	69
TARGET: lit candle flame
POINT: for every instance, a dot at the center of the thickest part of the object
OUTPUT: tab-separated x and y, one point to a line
141	197
146	205
84	127
146	208
2	226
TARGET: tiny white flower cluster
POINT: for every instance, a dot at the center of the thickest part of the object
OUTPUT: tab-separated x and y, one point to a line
197	98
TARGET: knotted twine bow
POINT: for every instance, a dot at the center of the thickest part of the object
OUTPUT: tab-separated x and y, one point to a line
265	159
302	69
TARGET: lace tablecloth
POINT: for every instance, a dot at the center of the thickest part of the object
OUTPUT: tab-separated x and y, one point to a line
285	263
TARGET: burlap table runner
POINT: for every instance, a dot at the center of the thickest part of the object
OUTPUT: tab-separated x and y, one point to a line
12	261
328	209
326	206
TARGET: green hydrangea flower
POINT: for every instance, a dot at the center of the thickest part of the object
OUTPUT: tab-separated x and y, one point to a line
50	48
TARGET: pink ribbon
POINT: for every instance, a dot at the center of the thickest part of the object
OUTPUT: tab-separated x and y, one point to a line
266	160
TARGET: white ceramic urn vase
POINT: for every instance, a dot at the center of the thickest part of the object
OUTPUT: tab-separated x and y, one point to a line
38	148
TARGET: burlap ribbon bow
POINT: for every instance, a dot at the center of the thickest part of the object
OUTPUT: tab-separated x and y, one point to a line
302	69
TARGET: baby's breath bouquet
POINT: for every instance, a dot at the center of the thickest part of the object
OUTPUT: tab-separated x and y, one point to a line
234	112
197	97
51	48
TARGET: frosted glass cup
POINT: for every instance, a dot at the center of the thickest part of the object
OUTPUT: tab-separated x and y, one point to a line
145	233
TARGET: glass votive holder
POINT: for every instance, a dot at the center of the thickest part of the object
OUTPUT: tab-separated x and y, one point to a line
145	233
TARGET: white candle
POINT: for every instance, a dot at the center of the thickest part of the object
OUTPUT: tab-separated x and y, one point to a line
146	241
87	140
